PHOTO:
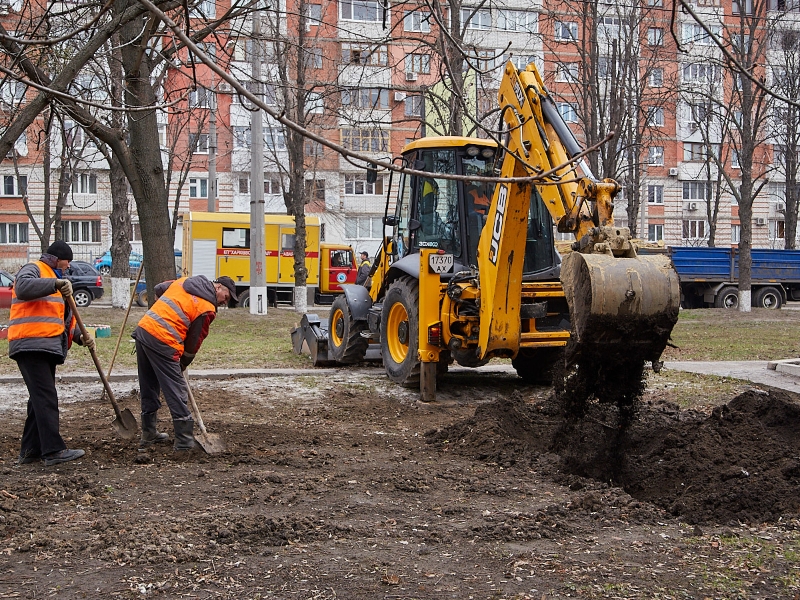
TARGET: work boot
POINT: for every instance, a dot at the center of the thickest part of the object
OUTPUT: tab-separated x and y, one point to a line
150	435
184	435
28	457
61	456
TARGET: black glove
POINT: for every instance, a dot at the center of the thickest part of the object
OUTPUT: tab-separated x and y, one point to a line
186	360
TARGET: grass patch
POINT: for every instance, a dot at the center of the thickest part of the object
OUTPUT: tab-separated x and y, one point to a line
692	390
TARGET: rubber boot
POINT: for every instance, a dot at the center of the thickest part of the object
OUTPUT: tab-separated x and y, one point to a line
184	435
150	435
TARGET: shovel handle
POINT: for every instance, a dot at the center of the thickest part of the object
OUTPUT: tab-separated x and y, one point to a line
71	302
195	410
125	320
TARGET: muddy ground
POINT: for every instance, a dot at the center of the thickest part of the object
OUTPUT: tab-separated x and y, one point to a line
344	486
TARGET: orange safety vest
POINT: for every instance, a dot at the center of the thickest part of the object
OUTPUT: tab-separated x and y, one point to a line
170	317
39	318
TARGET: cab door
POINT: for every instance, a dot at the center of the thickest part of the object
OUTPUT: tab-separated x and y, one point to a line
286	256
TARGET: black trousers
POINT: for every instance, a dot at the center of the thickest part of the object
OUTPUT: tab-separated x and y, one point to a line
40	435
158	374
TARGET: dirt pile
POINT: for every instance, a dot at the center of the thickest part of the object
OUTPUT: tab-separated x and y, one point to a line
741	463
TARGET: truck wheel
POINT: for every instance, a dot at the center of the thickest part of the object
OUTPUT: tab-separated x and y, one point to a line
345	343
400	332
141	298
728	297
244	299
769	297
536	365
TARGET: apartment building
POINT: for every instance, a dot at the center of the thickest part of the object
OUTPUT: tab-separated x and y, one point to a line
370	77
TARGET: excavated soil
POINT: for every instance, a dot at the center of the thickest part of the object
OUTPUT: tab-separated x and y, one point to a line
344	486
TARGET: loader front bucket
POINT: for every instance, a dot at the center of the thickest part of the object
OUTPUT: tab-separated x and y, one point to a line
622	312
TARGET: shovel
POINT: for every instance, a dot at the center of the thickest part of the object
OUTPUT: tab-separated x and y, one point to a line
125	423
211	443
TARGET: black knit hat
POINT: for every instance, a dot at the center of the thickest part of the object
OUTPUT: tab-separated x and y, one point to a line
228	283
61	250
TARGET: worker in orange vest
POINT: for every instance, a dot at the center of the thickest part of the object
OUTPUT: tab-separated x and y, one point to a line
41	330
167	340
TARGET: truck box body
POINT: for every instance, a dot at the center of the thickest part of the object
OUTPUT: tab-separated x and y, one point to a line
705	272
217	244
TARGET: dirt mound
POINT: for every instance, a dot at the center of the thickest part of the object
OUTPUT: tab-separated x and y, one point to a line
741	463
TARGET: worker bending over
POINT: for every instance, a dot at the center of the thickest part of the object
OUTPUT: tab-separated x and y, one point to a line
167	338
41	330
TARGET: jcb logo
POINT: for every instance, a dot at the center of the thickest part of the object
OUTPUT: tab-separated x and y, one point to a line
497	226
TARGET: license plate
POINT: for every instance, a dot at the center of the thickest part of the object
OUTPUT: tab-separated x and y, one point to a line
441	263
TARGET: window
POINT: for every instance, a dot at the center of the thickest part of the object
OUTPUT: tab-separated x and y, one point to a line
517	20
693	33
748	6
365	98
12	91
250	86
201	98
242	49
417	21
359	10
568	112
655	3
73	134
735	159
608	28
655	116
84	183
697	190
700	73
605	66
655	156
198	142
476	19
15	186
162	135
13	233
418	63
694	230
238	237
313	57
364	228
693	151
272	186
699	112
413	106
244	185
315	105
736	234
198	188
357	185
87	232
204	9
565	31
521	62
655	233
777	229
313	148
656	78
20	147
655	36
274	138
208	48
241	137
315	189
313	15
567	72
361	54
655	194
365	140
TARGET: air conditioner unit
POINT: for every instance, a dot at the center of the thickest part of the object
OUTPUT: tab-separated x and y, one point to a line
673	171
780	207
399	96
761	221
411	76
692	205
224	87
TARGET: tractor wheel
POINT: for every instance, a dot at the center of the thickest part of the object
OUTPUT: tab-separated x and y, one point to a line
141	298
345	342
400	332
244	299
536	365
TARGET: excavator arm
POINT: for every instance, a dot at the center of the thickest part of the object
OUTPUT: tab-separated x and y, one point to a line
621	304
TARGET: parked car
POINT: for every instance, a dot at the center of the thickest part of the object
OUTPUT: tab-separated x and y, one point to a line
6	283
103	263
87	283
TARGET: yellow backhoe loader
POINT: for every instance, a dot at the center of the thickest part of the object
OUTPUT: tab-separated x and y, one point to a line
470	271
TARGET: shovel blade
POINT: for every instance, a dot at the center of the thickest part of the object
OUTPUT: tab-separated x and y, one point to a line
126	424
211	443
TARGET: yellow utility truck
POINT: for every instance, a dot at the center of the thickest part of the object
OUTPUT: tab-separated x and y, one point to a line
217	244
470	271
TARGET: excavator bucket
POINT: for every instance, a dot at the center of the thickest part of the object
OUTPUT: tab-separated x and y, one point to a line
631	303
622	312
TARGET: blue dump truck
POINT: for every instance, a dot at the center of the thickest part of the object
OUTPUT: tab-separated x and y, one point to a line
710	276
